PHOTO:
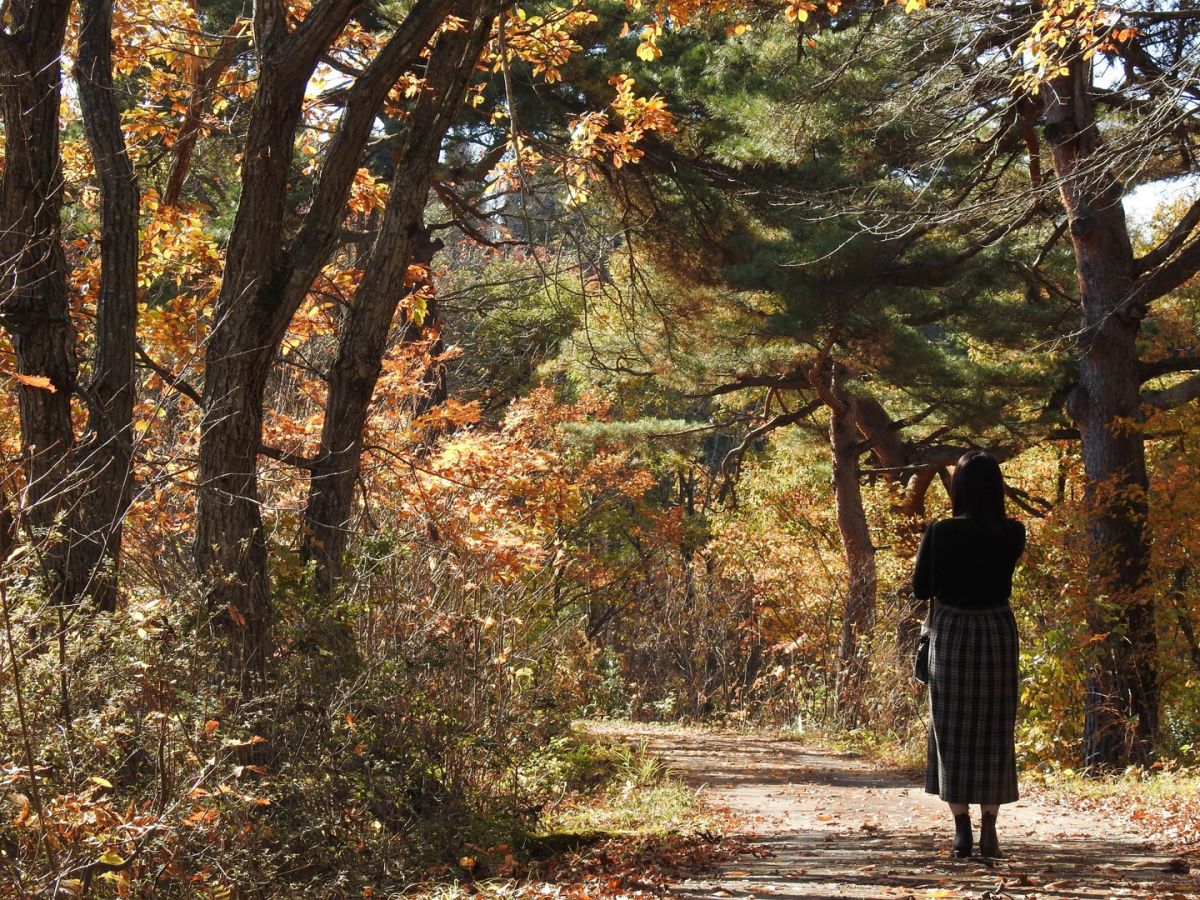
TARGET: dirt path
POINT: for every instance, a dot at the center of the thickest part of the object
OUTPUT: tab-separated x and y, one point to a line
828	825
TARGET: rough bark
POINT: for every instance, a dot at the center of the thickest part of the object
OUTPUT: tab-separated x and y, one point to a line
104	457
34	306
230	548
263	284
401	240
1121	706
858	619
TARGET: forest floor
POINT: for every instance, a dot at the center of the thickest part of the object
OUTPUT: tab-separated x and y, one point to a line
818	823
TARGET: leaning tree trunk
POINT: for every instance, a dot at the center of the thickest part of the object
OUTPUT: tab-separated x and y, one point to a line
402	240
263	284
204	88
858	619
884	435
34	305
105	453
1121	706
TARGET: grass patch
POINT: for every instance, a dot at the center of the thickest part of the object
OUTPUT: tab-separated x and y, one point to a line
624	826
639	797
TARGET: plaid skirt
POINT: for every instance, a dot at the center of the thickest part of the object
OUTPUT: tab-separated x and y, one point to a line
972	705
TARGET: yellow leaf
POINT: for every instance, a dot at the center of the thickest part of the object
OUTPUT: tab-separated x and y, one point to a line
111	858
103	782
648	52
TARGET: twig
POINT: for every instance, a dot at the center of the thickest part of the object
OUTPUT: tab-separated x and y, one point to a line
35	793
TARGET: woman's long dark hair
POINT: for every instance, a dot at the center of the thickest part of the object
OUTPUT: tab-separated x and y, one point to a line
977	490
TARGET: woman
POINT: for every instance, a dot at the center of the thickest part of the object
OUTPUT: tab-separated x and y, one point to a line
966	563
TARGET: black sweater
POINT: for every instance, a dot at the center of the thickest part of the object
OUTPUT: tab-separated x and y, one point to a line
966	566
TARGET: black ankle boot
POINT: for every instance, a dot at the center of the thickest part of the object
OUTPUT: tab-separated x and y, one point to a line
962	835
989	844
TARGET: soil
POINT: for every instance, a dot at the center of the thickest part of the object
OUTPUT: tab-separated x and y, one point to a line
825	824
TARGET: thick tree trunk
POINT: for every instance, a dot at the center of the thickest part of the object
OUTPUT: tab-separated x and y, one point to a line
230	547
1121	712
858	619
401	240
34	306
263	285
105	453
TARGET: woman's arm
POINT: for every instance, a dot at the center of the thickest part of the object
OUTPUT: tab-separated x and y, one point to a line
923	584
1020	538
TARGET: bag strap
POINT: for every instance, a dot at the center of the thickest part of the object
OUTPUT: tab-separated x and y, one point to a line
928	621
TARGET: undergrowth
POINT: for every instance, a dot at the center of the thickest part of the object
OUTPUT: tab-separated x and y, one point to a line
624	827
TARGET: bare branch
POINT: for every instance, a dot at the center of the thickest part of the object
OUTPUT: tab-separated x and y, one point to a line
795	380
1176	395
287	457
1172	243
315	33
1180	361
733	459
1167	276
178	382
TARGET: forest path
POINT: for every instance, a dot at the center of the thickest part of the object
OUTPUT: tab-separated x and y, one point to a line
830	825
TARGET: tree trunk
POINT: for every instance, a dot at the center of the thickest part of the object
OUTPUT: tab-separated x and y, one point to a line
858	619
230	547
34	306
105	453
1121	706
263	285
401	241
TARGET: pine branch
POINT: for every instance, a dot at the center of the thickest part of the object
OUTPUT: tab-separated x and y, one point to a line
1179	361
1176	395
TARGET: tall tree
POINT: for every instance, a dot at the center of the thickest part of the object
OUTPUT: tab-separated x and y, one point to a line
794	212
269	269
1104	135
1115	288
402	239
105	455
77	493
34	306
